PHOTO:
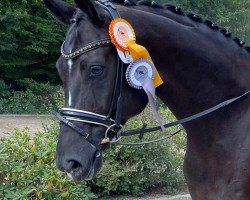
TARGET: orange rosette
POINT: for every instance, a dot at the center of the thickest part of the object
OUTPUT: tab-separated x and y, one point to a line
120	32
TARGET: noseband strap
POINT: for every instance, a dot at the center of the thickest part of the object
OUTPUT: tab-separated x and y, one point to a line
70	124
88	117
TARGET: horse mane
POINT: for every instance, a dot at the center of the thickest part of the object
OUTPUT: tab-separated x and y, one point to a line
178	11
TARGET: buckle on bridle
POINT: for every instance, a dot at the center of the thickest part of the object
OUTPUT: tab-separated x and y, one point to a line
117	130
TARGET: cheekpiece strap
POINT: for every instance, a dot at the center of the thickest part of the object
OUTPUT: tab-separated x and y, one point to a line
110	7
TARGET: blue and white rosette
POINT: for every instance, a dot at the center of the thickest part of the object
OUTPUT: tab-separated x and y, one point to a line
139	75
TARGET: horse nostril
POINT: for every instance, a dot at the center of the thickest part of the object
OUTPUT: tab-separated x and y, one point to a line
75	165
72	165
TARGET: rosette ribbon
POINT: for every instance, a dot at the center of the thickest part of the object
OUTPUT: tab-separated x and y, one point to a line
123	37
148	85
137	52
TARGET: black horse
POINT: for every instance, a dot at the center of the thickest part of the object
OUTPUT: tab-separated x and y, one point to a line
200	64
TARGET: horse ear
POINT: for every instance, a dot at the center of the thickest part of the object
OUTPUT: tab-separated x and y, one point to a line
91	9
62	10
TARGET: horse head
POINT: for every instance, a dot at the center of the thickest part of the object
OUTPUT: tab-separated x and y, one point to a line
90	82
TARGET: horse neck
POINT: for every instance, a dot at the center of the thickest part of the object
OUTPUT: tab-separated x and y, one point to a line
199	66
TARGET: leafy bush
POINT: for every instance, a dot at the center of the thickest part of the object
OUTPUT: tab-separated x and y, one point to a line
27	168
4	89
49	96
38	98
132	170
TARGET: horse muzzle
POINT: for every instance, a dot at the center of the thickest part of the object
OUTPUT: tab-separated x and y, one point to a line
81	161
79	173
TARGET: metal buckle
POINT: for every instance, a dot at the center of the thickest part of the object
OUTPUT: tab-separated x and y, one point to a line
87	135
118	134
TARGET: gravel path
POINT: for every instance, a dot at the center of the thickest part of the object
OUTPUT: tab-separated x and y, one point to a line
154	197
34	122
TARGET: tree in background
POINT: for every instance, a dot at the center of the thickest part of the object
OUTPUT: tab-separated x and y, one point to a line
30	37
29	41
231	14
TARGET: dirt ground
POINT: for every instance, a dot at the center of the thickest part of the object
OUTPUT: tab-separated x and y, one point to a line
34	122
153	197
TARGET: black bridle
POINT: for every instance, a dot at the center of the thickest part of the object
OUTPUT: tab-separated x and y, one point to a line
114	126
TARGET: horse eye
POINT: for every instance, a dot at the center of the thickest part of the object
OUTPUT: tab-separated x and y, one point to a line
72	21
96	70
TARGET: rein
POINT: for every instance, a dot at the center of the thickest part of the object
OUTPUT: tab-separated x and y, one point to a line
143	130
67	115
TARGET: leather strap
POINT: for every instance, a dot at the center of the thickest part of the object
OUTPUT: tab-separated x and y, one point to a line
187	119
89	47
85	116
118	142
110	7
70	124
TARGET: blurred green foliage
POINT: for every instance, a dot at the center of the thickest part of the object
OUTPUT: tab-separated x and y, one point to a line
231	14
38	98
30	39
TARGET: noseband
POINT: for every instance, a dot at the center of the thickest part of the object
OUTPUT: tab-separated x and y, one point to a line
114	126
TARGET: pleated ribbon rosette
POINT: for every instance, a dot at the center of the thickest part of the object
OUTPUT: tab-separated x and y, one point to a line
141	73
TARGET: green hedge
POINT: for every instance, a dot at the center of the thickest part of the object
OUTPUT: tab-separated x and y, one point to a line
27	168
38	98
134	169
